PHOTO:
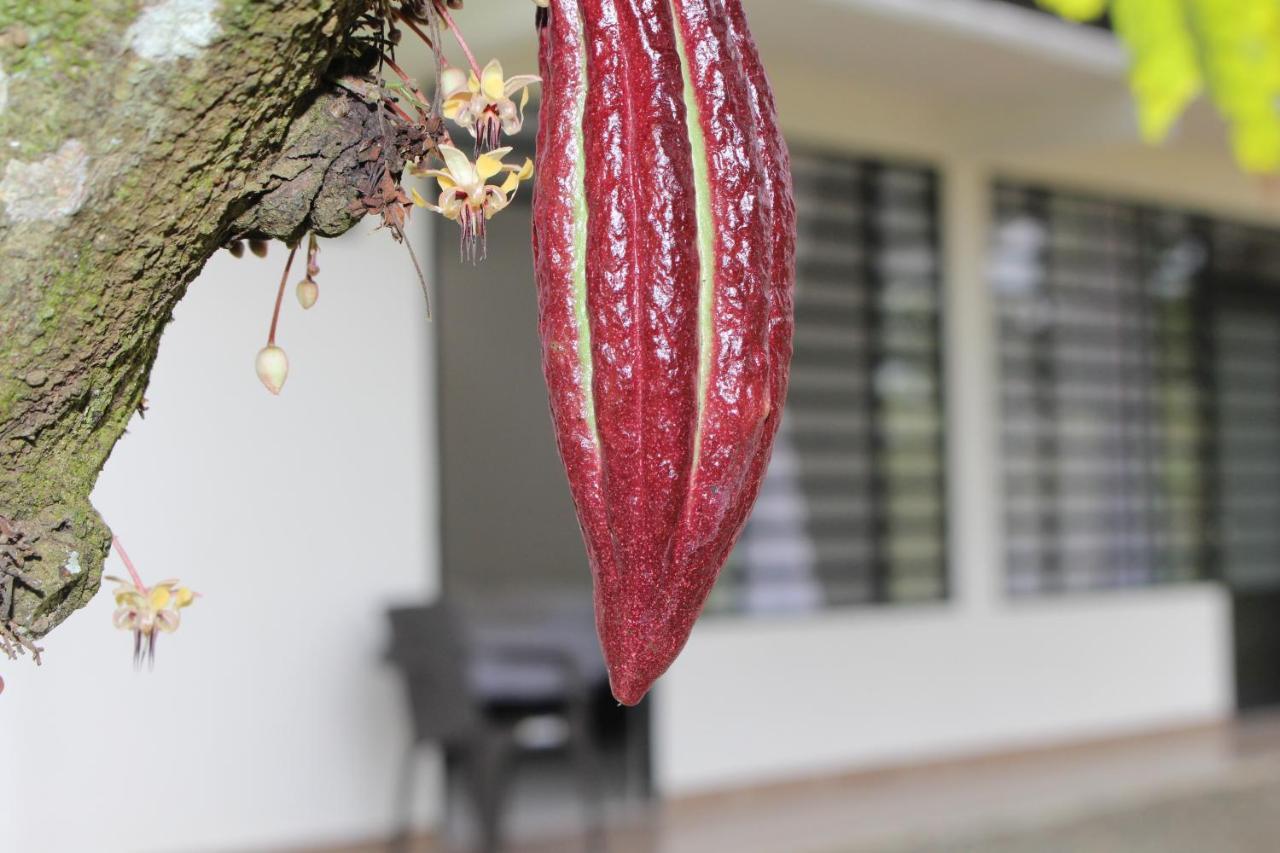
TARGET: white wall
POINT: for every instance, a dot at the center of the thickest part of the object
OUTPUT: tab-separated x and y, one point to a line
760	701
268	719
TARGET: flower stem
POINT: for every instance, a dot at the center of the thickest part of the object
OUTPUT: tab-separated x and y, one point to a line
284	279
128	564
408	81
422	279
395	108
457	34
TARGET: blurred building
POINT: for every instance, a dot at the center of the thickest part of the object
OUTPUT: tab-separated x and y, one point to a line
1029	457
1026	492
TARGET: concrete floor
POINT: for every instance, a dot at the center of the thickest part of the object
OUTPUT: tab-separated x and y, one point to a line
1239	815
1213	789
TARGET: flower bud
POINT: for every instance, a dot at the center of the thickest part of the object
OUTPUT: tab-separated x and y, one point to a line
308	292
236	247
273	367
258	247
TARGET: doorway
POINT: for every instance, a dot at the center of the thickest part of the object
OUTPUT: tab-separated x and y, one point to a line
1246	382
512	555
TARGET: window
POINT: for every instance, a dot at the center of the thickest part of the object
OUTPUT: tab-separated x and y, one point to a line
852	508
1140	397
1103	431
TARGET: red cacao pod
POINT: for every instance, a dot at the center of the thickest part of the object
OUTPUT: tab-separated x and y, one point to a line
664	244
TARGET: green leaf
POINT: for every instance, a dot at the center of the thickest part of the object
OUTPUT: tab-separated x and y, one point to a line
1240	53
1177	47
1164	70
1076	10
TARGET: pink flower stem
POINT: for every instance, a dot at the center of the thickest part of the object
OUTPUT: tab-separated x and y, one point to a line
284	279
457	34
128	564
395	108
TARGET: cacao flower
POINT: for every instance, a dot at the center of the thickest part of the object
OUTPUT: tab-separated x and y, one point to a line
465	194
664	243
146	611
483	104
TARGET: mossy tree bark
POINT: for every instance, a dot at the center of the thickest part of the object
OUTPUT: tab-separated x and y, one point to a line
132	138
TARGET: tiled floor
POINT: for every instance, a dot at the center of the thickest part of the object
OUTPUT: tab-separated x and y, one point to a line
1089	796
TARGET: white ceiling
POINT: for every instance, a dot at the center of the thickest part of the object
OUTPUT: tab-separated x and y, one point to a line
974	51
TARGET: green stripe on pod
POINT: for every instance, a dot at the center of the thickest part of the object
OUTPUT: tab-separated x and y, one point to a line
706	231
580	214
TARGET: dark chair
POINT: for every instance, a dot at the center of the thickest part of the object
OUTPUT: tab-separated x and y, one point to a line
433	650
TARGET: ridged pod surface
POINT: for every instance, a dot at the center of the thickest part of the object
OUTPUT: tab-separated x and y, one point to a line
664	242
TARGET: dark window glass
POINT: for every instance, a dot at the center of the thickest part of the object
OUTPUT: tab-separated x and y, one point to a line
1244	374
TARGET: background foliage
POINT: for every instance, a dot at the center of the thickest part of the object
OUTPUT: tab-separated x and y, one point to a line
1181	48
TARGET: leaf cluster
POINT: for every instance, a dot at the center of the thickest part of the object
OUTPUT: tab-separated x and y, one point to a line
1229	49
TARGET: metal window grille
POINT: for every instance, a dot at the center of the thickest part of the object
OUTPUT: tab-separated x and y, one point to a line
1141	405
852	508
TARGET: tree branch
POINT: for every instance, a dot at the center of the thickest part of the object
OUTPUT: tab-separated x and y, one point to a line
134	145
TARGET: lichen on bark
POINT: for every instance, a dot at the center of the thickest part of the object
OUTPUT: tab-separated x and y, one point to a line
171	149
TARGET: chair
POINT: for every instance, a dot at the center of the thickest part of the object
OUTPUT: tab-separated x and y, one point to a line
437	657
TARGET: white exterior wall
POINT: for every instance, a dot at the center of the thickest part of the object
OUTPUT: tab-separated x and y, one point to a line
268	721
759	701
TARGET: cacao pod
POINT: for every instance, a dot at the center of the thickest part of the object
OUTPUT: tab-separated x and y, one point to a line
664	244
